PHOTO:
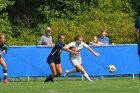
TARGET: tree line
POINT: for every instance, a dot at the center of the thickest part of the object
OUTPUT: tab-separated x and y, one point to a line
24	21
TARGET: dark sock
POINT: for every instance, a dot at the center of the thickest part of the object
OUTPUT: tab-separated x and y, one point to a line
5	74
57	75
50	78
5	77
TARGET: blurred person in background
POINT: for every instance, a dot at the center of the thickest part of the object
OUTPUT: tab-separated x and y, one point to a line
46	39
96	42
104	39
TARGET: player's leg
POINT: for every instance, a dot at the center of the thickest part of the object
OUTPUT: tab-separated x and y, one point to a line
67	72
54	72
73	70
3	64
81	69
58	69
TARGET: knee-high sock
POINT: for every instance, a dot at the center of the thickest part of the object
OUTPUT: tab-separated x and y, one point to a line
87	77
5	74
72	71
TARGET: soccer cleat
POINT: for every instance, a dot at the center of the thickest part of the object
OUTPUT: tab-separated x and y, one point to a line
90	81
5	81
51	79
47	80
66	73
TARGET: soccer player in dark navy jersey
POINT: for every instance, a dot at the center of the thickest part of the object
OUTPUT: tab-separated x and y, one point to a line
3	50
136	32
55	54
54	58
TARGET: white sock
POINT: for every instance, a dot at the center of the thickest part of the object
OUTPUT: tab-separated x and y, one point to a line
87	77
82	77
71	71
5	74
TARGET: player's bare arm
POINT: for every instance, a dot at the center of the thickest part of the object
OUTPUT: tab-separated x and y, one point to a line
96	54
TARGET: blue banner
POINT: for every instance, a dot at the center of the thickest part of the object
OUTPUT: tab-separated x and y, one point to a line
31	60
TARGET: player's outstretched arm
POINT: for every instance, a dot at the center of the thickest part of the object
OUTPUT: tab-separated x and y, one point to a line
69	50
96	54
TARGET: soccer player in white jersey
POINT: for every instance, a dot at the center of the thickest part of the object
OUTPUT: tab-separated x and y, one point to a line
76	60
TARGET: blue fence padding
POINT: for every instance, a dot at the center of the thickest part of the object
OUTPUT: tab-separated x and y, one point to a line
31	60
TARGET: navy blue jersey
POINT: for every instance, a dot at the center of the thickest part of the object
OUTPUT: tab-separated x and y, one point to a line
3	47
57	49
137	24
54	56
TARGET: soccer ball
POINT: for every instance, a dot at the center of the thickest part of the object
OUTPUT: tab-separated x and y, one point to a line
111	68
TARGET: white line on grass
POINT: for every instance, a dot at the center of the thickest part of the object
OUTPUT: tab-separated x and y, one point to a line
52	91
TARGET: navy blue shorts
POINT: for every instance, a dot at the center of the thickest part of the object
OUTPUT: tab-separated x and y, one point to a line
52	59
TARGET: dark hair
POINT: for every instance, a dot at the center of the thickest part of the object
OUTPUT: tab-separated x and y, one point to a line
59	36
77	37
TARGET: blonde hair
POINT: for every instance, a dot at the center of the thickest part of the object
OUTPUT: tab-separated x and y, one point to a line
1	35
96	38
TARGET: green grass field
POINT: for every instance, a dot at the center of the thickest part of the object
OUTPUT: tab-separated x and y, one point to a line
73	86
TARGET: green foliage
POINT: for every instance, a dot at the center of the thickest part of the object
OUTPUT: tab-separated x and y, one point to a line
5	3
72	17
136	5
4	23
5	26
116	16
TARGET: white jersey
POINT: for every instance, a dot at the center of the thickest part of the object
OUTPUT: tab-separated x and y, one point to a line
77	47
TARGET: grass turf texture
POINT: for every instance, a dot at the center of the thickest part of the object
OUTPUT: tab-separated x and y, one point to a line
73	86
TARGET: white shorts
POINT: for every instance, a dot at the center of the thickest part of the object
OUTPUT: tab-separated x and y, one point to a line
76	61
